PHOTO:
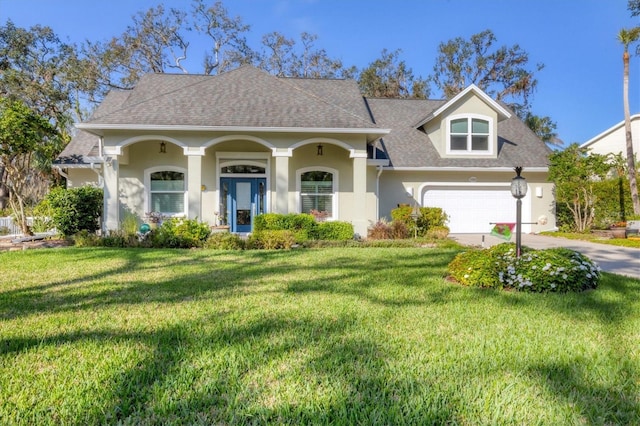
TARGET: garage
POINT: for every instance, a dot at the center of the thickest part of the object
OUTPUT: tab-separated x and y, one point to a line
471	209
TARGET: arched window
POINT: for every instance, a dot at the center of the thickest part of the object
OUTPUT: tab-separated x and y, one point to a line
317	192
166	191
469	134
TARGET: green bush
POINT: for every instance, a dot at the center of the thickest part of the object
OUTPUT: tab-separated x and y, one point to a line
86	239
272	239
224	241
557	269
437	232
180	233
43	217
303	225
335	231
429	217
76	209
383	230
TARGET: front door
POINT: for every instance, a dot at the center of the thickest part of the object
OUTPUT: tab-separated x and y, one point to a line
242	199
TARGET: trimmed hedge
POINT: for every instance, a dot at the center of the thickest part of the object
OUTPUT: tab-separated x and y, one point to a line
339	231
180	233
75	209
303	227
430	217
549	270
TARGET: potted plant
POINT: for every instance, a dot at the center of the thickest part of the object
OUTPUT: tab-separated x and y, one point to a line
154	219
219	224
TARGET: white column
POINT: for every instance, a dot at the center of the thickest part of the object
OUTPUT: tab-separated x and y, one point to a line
194	186
282	184
360	194
111	213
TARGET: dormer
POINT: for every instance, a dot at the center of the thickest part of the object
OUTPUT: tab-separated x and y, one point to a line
466	126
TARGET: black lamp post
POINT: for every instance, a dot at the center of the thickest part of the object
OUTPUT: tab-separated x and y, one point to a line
518	190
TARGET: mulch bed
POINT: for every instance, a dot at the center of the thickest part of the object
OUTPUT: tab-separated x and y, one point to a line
6	244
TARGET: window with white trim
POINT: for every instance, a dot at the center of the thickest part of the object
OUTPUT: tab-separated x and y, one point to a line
317	192
167	191
469	135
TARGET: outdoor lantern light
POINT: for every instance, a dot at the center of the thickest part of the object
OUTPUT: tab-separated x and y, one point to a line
320	149
163	148
518	190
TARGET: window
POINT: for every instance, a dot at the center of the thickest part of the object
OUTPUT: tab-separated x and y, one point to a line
316	192
167	192
469	135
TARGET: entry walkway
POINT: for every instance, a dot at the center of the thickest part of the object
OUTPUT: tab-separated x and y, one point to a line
614	259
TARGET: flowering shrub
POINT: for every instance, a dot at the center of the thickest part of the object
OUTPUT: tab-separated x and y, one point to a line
556	269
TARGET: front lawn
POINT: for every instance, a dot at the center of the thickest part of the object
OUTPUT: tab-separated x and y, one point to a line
329	336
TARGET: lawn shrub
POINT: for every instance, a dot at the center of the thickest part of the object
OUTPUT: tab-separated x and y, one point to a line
76	209
302	225
429	217
556	269
335	231
224	241
382	230
42	217
180	233
272	239
438	232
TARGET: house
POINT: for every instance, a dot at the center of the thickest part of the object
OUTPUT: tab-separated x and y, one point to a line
614	140
228	147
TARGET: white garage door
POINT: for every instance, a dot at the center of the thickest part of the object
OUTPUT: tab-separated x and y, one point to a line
472	209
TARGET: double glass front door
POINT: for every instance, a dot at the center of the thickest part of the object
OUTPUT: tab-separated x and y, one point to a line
241	200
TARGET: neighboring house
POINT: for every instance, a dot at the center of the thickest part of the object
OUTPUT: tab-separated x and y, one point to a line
225	148
614	141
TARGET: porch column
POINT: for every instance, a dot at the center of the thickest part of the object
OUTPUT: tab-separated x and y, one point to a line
282	182
360	193
111	212
194	185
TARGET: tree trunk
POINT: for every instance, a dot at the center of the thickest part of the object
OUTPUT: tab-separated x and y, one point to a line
631	166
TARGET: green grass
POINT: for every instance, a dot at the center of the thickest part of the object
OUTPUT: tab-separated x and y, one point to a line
322	336
621	242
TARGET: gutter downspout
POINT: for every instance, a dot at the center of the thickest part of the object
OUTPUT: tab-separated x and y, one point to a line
378	192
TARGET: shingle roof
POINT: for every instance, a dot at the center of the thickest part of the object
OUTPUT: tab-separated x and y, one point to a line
244	97
409	147
249	97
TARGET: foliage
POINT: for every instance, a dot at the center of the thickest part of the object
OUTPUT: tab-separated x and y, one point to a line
501	72
544	128
224	241
612	202
335	230
76	209
180	233
280	239
85	238
43	217
575	173
428	218
26	138
302	225
438	232
388	77
129	223
556	269
383	230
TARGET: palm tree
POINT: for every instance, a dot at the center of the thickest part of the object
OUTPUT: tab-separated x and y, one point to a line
626	37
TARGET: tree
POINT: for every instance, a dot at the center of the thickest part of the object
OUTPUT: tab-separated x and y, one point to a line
158	41
40	71
544	128
26	139
626	37
501	72
575	172
281	57
389	77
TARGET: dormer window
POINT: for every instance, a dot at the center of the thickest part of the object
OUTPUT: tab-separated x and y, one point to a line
469	135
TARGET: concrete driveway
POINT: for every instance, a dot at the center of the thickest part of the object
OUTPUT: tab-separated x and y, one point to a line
617	260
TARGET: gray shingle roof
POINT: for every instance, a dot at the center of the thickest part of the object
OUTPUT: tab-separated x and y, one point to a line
249	97
409	147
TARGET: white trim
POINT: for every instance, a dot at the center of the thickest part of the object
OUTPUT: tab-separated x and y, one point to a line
117	149
234	158
502	112
466	169
608	131
469	152
334	200
147	186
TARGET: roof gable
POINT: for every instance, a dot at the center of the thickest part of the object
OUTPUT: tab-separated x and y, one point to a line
474	90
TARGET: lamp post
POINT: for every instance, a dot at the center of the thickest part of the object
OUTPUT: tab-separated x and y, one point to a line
518	190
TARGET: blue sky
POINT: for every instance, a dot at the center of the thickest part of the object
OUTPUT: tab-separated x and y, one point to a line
580	87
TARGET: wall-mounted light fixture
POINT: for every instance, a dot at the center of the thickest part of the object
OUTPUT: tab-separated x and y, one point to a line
320	152
163	147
